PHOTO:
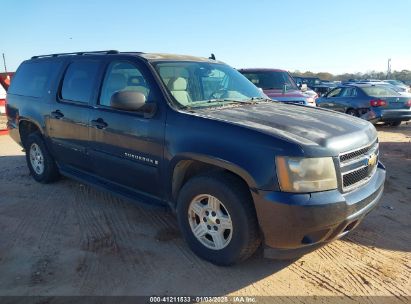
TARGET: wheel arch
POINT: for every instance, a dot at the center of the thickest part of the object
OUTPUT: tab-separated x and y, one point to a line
184	167
26	127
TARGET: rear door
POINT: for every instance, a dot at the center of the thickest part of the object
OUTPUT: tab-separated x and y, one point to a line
126	146
348	99
68	125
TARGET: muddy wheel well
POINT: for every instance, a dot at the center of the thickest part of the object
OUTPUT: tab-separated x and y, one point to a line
25	129
186	169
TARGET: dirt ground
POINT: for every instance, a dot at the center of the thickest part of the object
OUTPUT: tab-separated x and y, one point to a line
70	239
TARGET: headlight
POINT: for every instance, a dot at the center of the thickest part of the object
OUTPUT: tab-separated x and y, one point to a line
298	174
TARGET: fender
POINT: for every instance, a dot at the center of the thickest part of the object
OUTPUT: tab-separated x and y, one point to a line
209	160
218	162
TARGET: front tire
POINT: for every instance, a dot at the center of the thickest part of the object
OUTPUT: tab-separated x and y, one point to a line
217	218
39	160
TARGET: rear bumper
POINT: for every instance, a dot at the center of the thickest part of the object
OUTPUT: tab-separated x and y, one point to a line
295	224
390	115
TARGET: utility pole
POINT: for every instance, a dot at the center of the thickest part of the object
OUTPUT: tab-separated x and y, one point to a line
4	61
389	68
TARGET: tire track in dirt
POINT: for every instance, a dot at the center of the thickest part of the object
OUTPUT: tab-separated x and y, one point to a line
363	276
44	269
371	272
108	232
95	239
320	280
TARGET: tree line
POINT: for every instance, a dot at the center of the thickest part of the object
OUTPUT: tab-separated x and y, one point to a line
404	75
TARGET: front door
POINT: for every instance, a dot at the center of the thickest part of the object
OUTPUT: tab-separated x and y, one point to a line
333	99
127	146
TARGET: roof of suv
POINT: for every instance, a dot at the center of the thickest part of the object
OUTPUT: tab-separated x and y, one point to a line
148	56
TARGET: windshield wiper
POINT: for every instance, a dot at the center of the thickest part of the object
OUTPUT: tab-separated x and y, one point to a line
222	100
252	100
256	99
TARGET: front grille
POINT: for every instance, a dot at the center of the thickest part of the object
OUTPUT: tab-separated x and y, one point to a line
358	166
355	176
354	154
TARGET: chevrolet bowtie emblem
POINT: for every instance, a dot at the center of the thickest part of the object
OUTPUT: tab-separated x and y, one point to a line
372	160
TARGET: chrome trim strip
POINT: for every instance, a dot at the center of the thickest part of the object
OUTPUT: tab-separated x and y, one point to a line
375	141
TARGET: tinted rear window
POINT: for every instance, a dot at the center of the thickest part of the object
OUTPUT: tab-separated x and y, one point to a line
78	84
32	79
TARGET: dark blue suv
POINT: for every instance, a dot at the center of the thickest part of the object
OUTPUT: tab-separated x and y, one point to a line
195	135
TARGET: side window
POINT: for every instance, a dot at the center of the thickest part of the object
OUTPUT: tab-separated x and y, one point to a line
122	76
354	92
32	79
334	93
349	92
79	80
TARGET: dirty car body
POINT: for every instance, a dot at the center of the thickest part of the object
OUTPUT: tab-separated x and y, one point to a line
311	174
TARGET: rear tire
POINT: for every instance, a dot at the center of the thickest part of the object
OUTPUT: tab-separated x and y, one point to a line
41	164
394	123
353	112
226	234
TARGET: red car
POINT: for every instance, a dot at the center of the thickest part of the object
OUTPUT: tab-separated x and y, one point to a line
278	85
4	85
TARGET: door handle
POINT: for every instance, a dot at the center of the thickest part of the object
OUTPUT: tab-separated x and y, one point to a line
57	114
99	123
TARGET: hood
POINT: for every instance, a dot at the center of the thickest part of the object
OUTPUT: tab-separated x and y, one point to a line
317	131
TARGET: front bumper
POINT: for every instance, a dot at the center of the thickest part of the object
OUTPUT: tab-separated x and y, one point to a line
295	224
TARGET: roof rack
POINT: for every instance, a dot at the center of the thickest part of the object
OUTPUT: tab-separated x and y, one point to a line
78	54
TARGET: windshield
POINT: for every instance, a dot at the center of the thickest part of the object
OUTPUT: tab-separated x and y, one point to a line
271	80
195	84
379	91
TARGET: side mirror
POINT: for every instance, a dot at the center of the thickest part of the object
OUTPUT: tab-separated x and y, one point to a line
304	87
128	100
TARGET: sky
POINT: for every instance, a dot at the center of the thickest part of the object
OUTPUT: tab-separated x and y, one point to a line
319	36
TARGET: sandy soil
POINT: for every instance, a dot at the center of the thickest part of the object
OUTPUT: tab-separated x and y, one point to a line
3	121
70	239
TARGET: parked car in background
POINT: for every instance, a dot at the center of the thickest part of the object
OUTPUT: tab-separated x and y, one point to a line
278	85
402	87
306	90
375	103
320	87
4	85
402	90
195	135
2	100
